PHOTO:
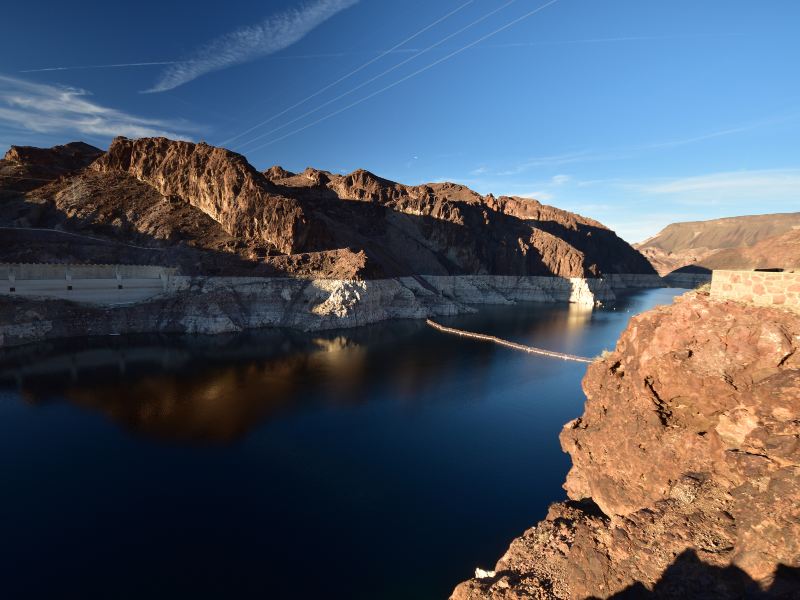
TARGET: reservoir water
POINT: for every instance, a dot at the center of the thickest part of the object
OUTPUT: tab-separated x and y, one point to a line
383	462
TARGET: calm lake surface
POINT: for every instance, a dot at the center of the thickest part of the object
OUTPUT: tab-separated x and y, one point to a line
384	462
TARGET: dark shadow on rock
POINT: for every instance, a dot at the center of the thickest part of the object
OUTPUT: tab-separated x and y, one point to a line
601	247
691	269
689	577
399	235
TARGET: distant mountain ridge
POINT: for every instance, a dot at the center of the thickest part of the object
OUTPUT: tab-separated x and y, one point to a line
207	209
747	242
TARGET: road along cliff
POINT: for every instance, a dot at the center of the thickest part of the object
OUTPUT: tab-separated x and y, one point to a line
685	478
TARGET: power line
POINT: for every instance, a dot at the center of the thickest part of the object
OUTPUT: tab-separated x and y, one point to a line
378	76
407	77
350	74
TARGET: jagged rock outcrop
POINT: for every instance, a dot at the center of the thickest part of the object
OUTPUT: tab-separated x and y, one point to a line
55	161
220	183
686	466
170	194
505	235
24	168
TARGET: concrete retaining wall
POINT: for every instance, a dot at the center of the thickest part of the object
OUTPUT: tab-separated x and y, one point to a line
97	284
759	288
37	271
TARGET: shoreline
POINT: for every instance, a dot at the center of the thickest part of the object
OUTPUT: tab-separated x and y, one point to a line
213	305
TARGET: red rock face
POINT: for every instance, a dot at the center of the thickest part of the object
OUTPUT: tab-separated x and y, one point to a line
220	183
24	168
57	160
379	227
505	235
686	464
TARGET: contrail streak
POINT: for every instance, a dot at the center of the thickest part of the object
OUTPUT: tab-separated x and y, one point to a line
114	66
348	75
407	77
378	76
396	50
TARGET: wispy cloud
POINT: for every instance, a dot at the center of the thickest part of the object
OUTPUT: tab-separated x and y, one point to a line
557	160
634	151
728	187
271	35
42	108
639	208
612	40
539	195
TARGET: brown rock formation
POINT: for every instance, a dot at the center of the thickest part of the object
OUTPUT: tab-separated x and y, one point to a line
24	168
686	466
505	235
777	251
220	183
730	243
158	192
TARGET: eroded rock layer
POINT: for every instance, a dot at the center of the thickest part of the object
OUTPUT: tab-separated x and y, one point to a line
173	195
686	466
219	182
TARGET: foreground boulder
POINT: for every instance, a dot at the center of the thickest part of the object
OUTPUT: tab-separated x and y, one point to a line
686	467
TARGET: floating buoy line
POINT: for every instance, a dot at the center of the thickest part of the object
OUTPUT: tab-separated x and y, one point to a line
506	343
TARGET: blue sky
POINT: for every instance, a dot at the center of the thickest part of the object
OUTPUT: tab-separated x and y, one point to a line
635	112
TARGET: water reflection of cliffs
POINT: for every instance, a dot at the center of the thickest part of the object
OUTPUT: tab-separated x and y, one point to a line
214	389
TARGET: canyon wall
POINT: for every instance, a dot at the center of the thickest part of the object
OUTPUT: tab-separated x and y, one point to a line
685	473
221	183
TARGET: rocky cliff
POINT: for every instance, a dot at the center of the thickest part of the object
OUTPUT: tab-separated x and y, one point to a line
221	183
24	168
505	235
172	195
686	467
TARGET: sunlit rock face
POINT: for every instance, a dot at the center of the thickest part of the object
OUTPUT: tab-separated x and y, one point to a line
219	182
686	465
432	229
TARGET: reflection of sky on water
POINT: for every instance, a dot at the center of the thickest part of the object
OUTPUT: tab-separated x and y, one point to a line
218	388
383	462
